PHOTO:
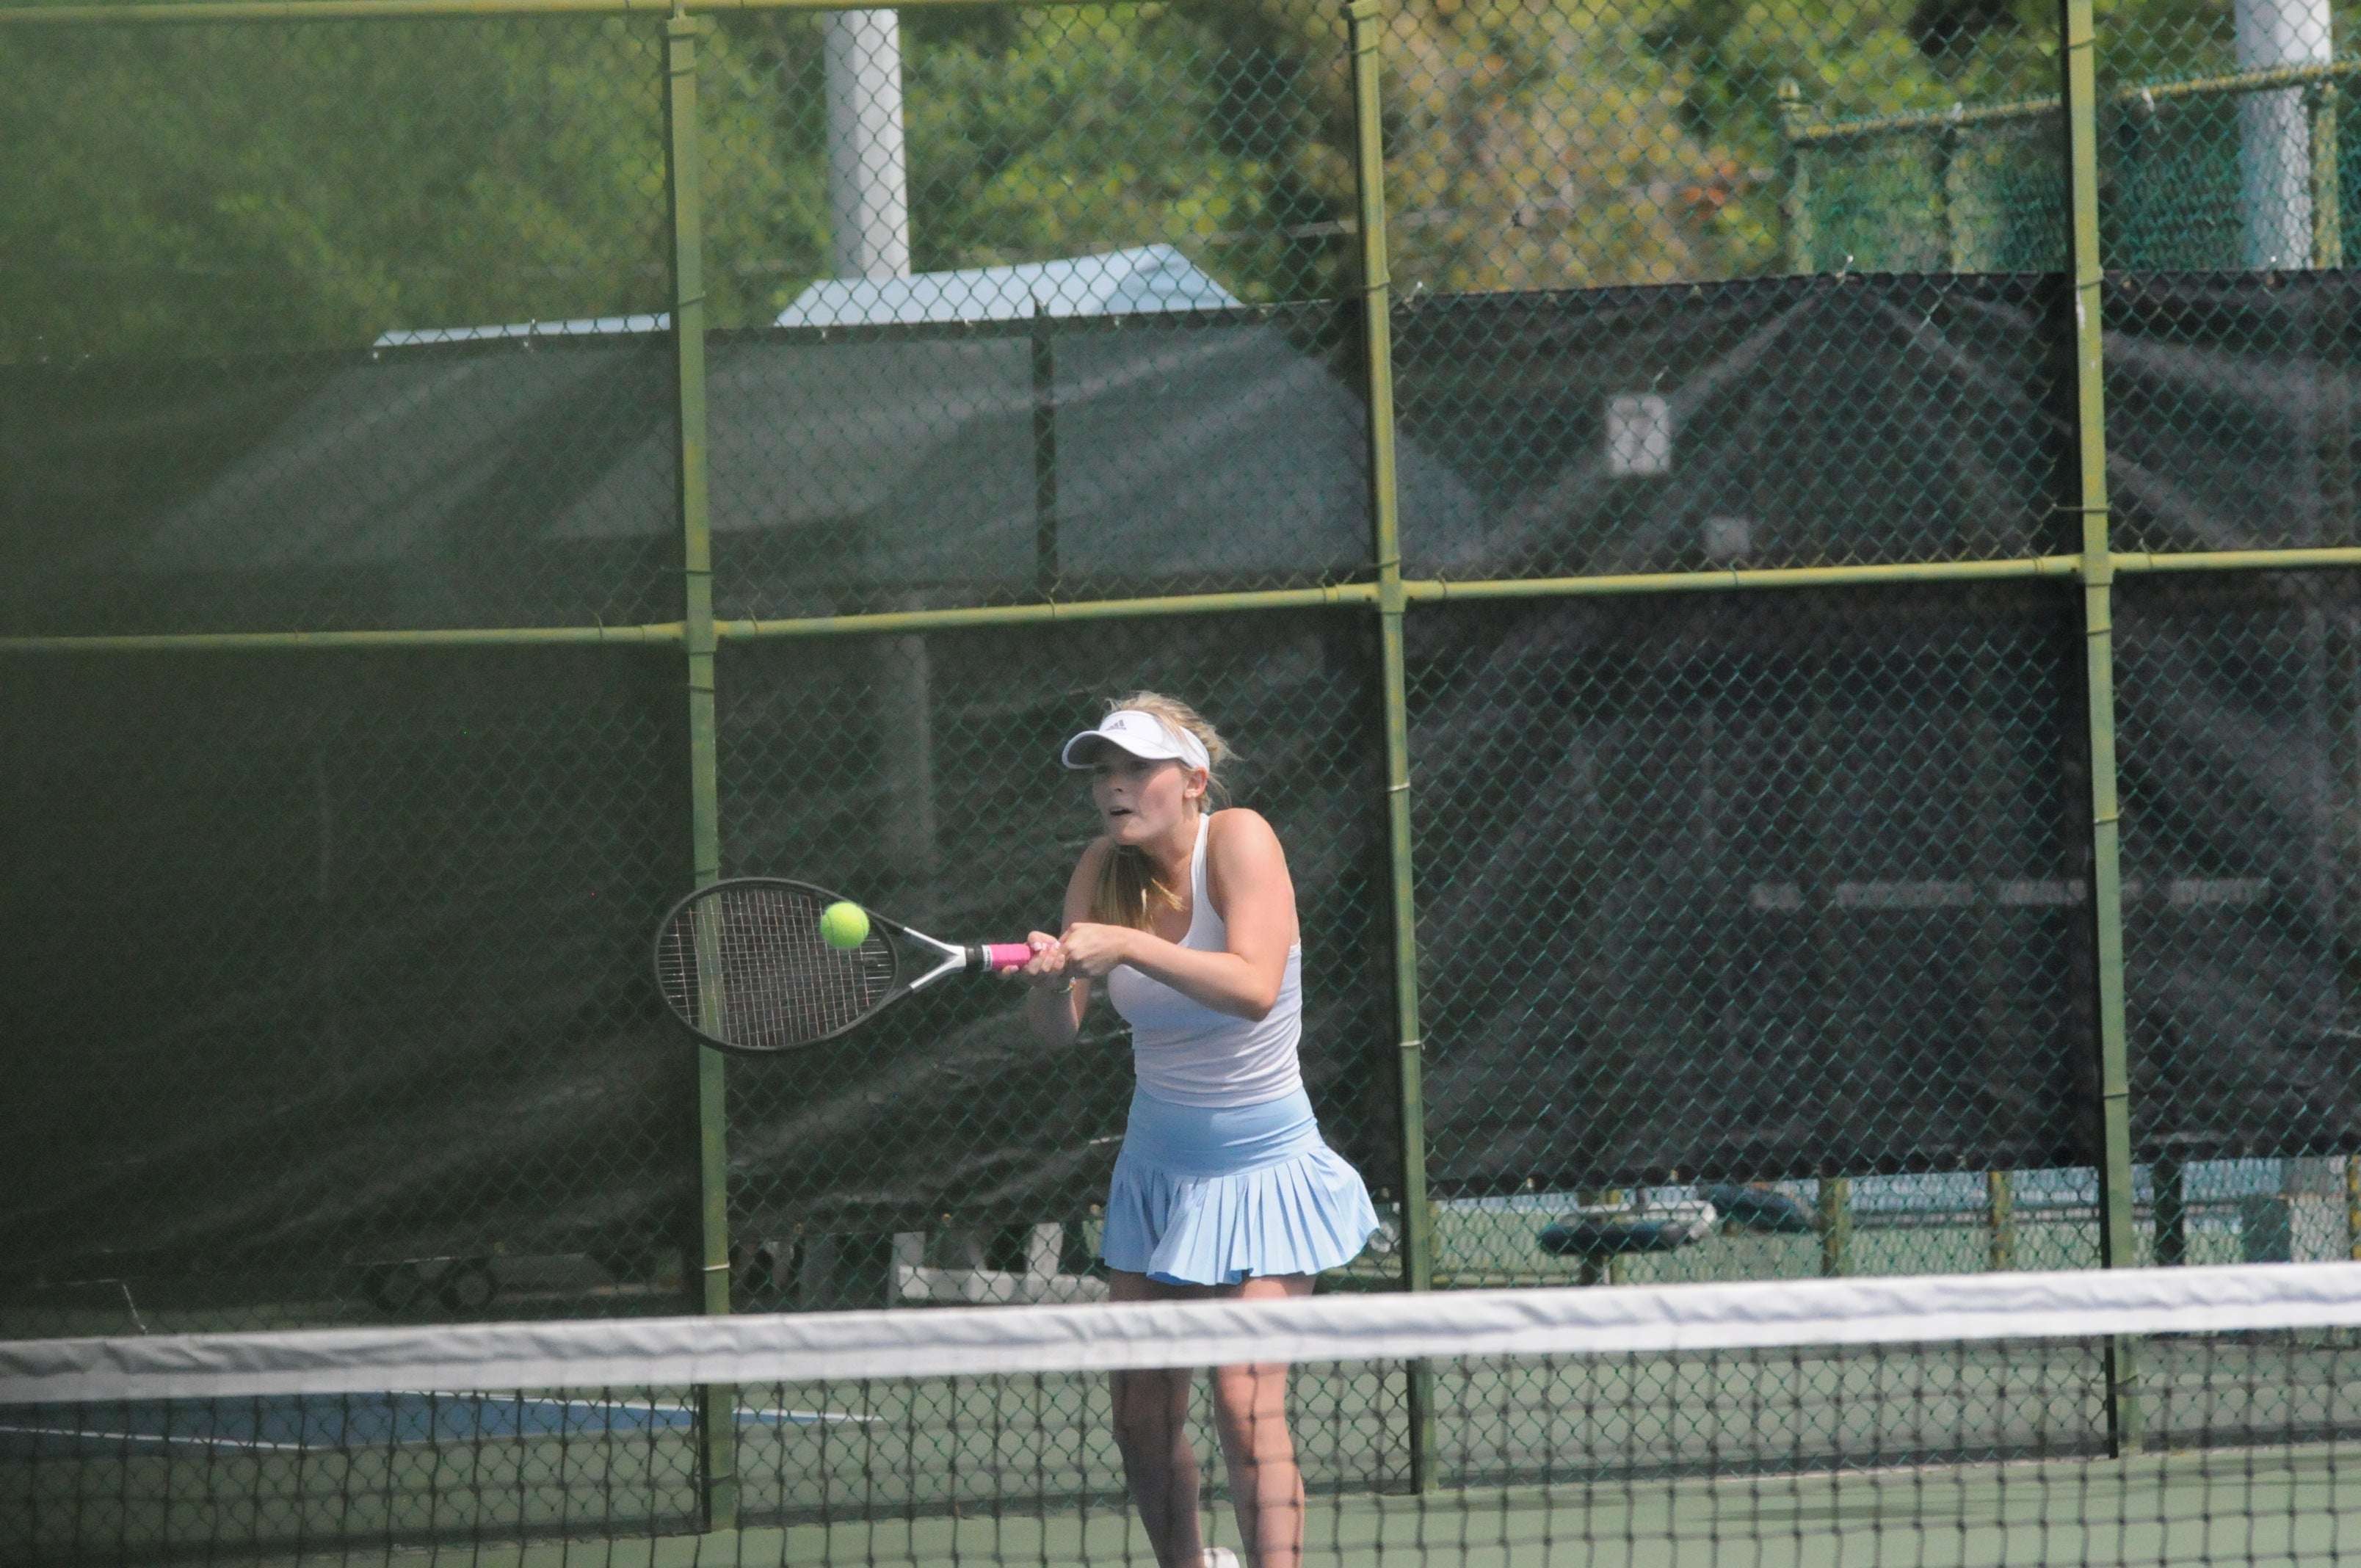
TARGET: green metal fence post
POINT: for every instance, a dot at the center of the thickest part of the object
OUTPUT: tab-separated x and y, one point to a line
1836	1226
1044	455
2327	219
1365	21
1945	188
1999	1215
1795	180
2352	1207
2079	85
716	1420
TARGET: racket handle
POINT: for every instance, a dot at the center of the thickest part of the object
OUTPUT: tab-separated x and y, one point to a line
999	956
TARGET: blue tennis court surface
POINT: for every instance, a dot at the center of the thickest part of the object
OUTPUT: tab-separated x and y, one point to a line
313	1422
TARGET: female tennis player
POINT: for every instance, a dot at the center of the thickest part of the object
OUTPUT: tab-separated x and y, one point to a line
1223	1187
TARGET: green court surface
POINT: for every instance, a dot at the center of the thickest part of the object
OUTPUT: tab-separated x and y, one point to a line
2289	1506
2284	1507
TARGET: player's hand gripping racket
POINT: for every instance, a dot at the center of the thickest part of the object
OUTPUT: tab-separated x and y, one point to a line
744	965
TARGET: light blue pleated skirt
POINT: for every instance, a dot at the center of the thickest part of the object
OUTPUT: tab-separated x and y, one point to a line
1211	1196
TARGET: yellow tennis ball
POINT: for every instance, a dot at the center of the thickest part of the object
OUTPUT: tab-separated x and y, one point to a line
843	925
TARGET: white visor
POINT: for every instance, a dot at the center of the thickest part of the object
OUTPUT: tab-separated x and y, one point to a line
1143	735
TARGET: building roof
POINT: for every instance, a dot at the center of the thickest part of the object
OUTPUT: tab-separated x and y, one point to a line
1122	283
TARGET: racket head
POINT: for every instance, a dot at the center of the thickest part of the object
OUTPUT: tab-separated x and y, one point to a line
743	966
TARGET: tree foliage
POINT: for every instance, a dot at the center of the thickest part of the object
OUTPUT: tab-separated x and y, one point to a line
210	189
203	188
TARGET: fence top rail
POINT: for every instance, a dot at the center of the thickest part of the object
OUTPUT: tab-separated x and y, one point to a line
2144	95
1804	133
1415	591
191	11
659	633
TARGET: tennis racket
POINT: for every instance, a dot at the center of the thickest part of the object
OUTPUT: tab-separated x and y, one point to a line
742	965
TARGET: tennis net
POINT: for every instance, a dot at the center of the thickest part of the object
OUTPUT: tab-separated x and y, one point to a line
2155	1416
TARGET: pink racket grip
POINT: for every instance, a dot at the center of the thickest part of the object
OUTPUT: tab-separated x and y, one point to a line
1004	956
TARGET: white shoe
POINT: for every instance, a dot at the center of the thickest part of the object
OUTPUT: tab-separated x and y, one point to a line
1221	1557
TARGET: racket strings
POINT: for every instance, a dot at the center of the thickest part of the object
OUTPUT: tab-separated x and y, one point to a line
748	966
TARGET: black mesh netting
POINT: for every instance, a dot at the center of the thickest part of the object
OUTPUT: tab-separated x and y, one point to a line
326	978
1788	422
2238	702
892	466
415	486
1835	835
1799	423
1750	889
2229	409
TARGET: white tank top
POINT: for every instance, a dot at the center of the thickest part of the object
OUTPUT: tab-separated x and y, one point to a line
1188	1054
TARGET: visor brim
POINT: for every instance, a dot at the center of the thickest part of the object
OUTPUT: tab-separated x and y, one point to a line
1081	752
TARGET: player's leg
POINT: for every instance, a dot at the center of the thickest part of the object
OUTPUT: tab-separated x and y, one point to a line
1151	1431
1250	1410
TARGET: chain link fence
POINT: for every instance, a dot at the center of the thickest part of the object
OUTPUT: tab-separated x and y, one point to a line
1774	422
326	996
1715	547
936	787
1726	894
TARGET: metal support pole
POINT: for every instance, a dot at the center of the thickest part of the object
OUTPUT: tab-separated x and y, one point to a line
1796	183
2327	217
717	1418
2352	1207
1044	455
1950	182
868	157
1836	1226
2000	1211
2117	1240
1384	528
2276	148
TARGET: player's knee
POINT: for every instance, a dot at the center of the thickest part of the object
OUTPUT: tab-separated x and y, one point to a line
1144	1416
1250	1402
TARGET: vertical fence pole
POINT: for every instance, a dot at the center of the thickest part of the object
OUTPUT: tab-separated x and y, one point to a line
2327	217
2352	1207
2000	1215
1044	455
1945	156
2079	86
1795	180
1367	28
717	1418
1836	1226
